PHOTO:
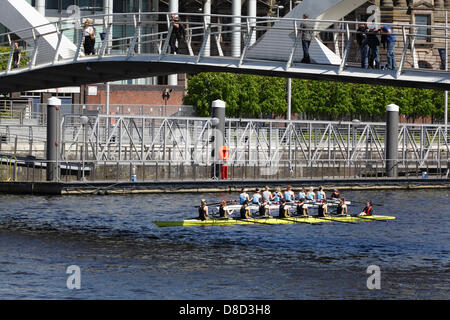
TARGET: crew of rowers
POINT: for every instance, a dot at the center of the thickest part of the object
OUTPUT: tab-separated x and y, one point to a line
265	198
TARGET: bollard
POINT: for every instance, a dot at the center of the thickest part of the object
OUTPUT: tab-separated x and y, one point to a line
53	112
392	111
218	122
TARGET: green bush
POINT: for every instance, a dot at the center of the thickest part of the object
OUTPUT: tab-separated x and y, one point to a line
257	96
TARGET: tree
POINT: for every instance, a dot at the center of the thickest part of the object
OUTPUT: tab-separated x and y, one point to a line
256	96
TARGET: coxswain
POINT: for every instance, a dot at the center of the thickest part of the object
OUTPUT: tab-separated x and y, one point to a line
311	195
256	198
335	194
322	210
368	210
289	194
277	196
302	208
267	195
244	196
342	209
284	209
224	212
203	211
321	194
245	211
264	208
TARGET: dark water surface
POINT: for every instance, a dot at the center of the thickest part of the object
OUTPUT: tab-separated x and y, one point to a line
123	255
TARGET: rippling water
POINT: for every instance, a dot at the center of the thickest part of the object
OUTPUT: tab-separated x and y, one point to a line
123	255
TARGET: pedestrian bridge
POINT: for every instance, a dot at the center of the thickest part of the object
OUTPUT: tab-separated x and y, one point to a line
213	43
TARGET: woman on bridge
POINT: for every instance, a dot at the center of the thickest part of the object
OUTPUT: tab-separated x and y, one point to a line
89	38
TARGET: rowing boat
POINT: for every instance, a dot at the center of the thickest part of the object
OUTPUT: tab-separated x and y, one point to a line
268	220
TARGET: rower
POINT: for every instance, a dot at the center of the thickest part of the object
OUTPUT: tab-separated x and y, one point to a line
245	211
322	210
302	194
368	210
321	194
267	195
311	195
256	198
224	212
342	209
244	196
284	209
264	208
203	211
302	208
277	196
335	194
289	194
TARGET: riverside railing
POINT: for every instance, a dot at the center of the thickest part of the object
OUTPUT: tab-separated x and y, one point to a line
152	171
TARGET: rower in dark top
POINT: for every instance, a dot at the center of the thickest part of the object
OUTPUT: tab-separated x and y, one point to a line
302	208
322	210
245	211
342	209
284	209
203	211
368	210
264	208
224	212
335	194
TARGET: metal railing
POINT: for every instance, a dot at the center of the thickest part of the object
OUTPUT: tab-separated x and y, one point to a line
206	35
241	171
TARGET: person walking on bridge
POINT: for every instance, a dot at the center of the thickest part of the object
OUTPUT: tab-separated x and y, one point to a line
391	41
307	36
89	38
16	55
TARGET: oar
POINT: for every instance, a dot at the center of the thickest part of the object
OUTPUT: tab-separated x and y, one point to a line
253	221
295	221
324	218
367	218
359	202
217	203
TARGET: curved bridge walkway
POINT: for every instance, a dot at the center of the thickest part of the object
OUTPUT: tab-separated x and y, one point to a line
267	46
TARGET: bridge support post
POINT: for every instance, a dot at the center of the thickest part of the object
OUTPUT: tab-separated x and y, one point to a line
53	114
392	111
218	124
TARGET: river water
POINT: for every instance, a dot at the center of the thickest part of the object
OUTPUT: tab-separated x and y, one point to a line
123	255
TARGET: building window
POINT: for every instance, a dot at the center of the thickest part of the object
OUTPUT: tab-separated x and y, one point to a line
424	20
62	5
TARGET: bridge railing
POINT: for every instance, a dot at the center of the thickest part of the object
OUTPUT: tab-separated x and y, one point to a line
259	38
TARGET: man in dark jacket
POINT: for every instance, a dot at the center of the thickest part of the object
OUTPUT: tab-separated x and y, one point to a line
178	34
361	38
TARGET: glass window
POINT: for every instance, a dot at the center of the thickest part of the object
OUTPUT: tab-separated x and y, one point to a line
52	4
423	19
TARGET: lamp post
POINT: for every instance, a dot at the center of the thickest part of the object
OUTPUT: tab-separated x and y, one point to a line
84	121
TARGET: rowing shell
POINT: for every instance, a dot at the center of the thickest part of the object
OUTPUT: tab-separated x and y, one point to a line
268	220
